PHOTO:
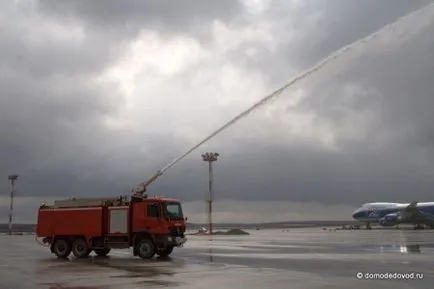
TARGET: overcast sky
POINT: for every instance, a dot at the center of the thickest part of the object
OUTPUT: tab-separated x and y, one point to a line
96	96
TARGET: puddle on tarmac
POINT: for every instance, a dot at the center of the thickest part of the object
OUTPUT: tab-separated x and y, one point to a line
62	286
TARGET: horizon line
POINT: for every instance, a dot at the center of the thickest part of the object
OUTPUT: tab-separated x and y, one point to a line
241	223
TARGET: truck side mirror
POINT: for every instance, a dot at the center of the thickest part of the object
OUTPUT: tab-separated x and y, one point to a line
186	219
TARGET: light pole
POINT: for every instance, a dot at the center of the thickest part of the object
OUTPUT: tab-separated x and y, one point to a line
210	158
12	179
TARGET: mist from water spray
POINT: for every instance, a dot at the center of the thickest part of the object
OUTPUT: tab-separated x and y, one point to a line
335	55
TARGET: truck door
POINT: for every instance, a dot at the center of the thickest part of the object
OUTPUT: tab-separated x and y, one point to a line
153	216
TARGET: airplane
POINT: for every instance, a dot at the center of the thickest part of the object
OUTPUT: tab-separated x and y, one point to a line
392	214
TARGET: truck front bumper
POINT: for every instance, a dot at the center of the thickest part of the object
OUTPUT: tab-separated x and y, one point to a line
176	241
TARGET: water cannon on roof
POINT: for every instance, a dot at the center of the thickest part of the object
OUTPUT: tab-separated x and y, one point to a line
140	189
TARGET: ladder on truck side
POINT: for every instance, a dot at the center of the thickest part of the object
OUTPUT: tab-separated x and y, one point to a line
90	202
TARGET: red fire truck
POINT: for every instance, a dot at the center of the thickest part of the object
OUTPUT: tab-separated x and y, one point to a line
150	225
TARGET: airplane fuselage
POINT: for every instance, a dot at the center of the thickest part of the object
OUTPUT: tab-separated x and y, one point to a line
374	212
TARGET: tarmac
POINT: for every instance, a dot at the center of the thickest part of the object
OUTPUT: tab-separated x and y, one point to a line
295	258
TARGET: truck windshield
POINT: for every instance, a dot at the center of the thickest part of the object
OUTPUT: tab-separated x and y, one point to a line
173	211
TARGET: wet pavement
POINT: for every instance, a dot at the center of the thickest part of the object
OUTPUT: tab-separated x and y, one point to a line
298	258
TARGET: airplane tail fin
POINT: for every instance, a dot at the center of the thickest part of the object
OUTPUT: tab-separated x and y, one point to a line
410	209
412	204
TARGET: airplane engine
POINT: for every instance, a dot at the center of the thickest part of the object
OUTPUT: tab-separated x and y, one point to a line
389	220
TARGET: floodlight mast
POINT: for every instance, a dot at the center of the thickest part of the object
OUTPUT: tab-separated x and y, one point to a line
210	158
12	179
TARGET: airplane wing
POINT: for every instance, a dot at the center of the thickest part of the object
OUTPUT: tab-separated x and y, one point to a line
412	214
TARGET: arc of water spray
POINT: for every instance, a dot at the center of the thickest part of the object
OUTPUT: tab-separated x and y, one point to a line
279	91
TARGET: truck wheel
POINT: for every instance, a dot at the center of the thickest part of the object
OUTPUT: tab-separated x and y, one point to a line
80	249
61	248
165	252
102	252
145	249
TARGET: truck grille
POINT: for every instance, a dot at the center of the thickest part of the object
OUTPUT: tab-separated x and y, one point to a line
177	231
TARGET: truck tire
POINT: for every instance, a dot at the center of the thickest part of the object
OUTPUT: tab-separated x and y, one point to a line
80	249
61	248
145	248
102	252
165	252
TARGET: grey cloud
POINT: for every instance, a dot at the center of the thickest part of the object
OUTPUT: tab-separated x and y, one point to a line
36	46
302	175
52	133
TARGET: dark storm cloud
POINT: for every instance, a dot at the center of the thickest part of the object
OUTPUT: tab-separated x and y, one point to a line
392	157
317	28
171	16
53	106
44	129
378	101
343	22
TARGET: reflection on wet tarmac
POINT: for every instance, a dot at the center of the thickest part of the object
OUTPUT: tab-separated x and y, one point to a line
210	254
306	258
410	249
